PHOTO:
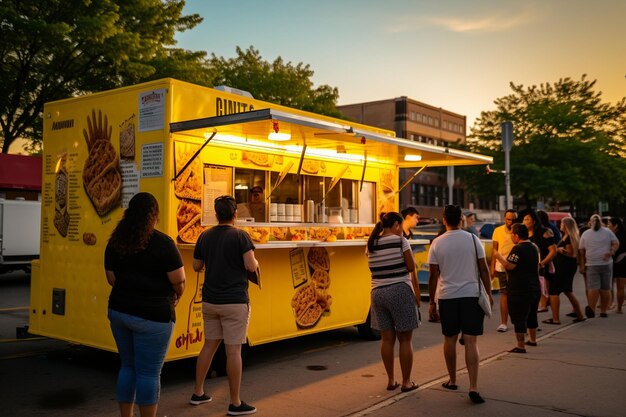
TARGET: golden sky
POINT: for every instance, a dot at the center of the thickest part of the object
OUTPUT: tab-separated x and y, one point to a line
459	55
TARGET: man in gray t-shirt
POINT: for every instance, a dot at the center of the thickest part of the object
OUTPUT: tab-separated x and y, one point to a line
597	246
457	262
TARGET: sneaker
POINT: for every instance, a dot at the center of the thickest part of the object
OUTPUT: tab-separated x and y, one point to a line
241	409
199	399
589	312
502	328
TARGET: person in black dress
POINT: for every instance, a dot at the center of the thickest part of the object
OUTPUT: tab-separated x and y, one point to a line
566	264
544	239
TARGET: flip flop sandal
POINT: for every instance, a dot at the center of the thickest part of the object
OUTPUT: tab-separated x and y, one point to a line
517	350
551	321
412	387
448	385
475	397
392	386
579	320
529	343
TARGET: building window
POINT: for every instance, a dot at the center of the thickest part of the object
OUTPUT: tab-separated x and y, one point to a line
430	120
418	117
412	116
412	136
436	122
422	195
445	124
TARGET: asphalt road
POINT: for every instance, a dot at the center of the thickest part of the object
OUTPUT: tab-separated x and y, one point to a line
40	376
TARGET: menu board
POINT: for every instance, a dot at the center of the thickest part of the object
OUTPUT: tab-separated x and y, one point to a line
217	182
298	267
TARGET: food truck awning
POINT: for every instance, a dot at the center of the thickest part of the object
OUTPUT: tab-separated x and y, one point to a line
21	172
271	129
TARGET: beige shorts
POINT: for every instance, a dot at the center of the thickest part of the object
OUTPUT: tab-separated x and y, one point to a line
226	321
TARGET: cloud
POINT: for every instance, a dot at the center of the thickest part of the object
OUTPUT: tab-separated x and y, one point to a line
483	24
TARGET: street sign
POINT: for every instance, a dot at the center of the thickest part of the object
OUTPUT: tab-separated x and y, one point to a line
507	136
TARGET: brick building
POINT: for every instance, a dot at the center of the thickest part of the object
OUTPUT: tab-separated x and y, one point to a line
420	122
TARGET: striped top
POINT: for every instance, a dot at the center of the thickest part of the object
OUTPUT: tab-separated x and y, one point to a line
386	262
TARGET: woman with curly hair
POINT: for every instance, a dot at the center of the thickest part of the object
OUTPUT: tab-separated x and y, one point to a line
146	272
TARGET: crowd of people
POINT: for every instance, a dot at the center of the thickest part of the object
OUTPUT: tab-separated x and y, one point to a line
533	263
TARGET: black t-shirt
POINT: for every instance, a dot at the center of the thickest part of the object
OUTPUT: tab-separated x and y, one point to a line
142	287
543	243
524	278
225	277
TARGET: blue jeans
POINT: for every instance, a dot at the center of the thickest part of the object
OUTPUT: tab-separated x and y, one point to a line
142	345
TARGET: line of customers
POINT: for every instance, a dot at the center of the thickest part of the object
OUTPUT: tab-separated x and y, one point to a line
145	270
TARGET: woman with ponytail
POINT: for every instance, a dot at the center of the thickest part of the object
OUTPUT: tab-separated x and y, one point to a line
597	246
146	272
395	298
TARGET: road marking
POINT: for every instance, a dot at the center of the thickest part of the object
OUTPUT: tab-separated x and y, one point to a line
2	310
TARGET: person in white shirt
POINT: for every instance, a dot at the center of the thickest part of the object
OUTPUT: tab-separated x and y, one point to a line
457	263
502	243
597	246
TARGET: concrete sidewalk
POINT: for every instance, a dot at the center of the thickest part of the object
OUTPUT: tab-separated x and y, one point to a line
578	369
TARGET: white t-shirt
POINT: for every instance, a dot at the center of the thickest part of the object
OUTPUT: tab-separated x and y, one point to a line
502	235
454	252
596	244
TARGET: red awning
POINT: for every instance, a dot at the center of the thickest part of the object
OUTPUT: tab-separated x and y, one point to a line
20	172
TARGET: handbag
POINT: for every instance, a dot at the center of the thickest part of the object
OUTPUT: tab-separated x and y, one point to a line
483	297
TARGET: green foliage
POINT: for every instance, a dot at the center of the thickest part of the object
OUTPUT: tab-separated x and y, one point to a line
277	82
54	49
569	146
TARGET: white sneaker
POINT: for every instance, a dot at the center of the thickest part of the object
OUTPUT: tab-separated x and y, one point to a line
502	328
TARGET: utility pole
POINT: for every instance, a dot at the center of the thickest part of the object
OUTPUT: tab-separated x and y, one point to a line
507	144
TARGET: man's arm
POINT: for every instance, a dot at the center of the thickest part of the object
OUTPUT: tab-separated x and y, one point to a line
433	279
494	250
506	264
583	260
250	261
614	247
198	264
484	275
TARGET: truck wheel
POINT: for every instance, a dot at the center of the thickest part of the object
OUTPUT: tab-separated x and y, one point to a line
366	332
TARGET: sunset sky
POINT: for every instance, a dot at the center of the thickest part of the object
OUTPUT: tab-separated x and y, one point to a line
459	55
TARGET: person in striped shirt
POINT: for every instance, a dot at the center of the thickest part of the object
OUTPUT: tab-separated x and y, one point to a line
395	297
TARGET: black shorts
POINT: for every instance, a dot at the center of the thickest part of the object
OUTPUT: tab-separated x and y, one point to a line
523	311
502	280
461	315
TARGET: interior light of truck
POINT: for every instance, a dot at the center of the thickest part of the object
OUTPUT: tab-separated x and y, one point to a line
412	157
279	136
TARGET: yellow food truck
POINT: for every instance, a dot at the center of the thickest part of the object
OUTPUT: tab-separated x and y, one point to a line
309	190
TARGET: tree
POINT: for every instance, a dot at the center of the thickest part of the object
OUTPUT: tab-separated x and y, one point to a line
54	49
277	82
569	145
